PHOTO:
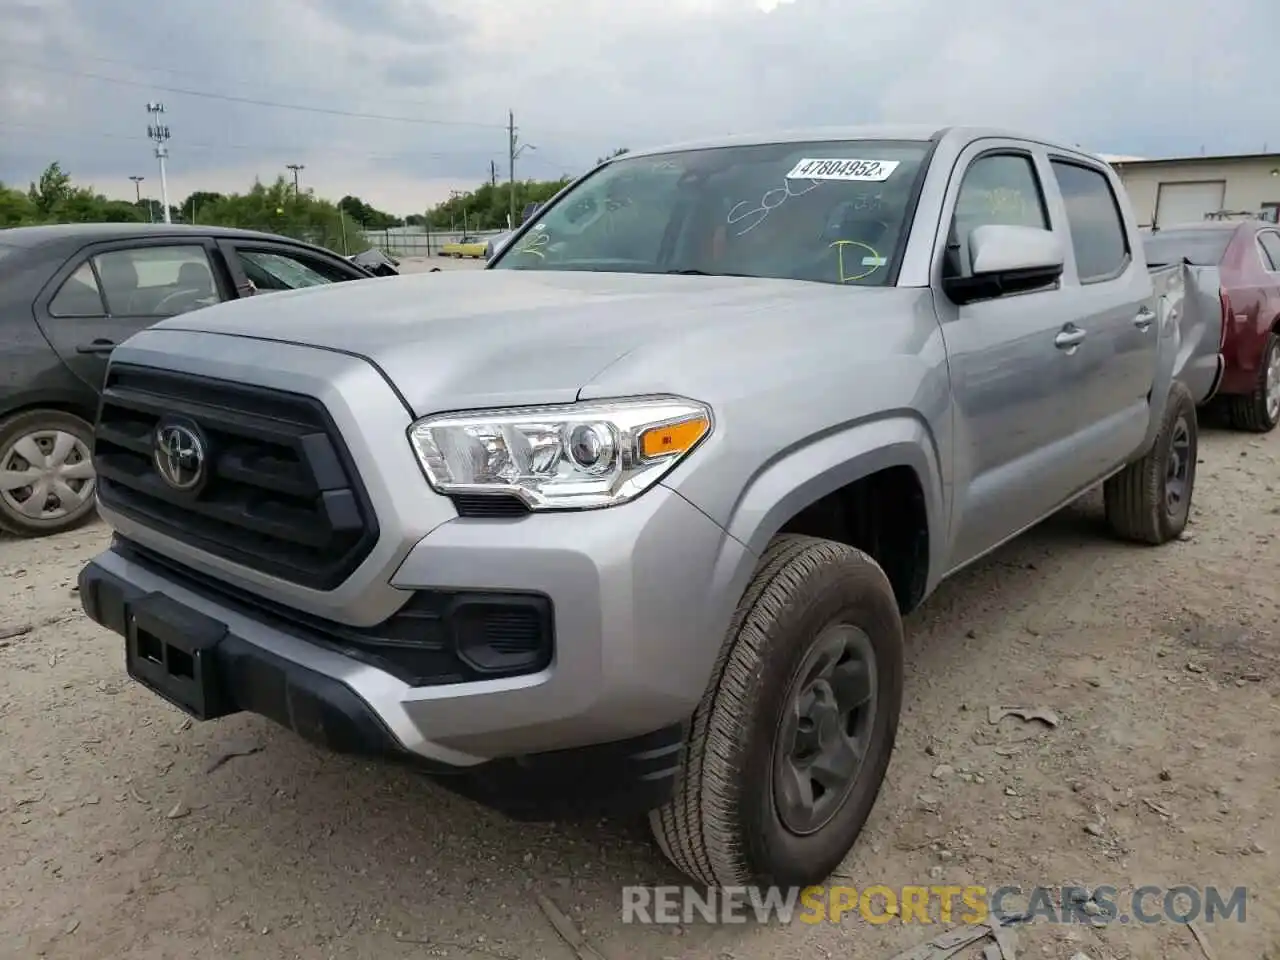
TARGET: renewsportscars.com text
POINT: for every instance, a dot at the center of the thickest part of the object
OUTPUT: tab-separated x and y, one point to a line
928	904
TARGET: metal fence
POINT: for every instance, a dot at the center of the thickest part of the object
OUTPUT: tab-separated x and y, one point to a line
418	242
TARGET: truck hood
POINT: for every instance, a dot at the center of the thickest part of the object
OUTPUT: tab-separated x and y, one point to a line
454	340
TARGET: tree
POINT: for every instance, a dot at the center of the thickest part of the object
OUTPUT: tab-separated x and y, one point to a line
618	152
486	207
370	217
196	202
53	188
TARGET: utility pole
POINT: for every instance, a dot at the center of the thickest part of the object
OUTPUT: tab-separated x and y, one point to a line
514	149
159	132
296	168
493	173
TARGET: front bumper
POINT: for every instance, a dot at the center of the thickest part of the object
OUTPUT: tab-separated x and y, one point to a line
637	627
254	673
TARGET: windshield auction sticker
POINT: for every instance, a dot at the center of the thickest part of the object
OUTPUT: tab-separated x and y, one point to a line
866	171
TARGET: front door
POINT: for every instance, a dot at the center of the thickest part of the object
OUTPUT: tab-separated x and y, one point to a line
1016	378
111	291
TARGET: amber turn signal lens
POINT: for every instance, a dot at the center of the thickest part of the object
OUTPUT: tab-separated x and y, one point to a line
672	438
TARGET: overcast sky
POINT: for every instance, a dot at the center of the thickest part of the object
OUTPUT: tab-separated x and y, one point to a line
407	99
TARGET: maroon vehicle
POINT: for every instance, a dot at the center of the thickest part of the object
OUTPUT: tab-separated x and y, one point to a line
1238	266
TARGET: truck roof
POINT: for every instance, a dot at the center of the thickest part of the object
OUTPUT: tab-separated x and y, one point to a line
957	136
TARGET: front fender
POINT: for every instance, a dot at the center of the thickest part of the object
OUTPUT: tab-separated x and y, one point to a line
808	471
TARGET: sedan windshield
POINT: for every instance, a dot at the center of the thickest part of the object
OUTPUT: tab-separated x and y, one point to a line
831	212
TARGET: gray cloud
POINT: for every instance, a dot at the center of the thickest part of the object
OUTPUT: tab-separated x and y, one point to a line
1149	77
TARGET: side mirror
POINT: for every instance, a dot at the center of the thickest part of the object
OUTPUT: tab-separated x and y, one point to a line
1007	259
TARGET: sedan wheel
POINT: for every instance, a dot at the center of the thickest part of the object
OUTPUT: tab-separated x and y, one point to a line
46	473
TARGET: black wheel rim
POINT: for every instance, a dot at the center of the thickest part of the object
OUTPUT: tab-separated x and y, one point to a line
1179	467
825	730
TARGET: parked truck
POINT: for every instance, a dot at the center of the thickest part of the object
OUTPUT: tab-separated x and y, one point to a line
631	523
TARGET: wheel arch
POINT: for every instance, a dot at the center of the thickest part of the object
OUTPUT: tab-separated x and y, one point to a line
823	485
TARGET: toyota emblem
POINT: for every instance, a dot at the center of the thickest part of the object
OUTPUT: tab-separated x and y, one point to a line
179	456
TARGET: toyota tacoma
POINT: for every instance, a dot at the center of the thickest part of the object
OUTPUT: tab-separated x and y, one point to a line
631	524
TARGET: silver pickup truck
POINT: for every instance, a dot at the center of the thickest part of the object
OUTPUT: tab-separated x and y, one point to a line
629	520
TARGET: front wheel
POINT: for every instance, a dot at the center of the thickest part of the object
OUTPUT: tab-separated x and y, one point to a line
1150	500
46	473
789	746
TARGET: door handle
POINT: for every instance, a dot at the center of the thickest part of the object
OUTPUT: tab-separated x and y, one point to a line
98	346
1146	316
1070	338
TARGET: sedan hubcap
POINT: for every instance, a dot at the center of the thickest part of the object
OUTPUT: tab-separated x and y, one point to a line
46	475
826	731
1273	385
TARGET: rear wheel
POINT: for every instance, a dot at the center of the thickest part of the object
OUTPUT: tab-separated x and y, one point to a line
46	472
1150	500
1259	411
789	746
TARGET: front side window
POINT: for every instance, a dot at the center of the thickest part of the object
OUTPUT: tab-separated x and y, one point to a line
997	190
158	281
829	212
1098	234
78	296
278	271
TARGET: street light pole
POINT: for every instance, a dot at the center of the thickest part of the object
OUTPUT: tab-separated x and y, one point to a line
137	194
159	132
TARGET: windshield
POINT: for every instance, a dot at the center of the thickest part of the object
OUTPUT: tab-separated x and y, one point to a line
831	212
1201	247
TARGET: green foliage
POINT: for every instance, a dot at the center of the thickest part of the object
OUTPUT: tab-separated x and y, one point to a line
274	209
55	198
487	206
369	217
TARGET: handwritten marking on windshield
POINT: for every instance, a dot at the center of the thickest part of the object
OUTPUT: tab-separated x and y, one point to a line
768	203
874	260
535	243
867	171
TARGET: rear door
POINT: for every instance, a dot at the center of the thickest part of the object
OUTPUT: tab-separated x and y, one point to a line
263	266
110	291
1109	291
1016	390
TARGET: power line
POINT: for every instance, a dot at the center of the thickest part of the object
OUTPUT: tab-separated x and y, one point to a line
80	132
252	101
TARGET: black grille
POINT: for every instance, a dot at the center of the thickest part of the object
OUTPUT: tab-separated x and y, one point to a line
489	506
282	494
438	636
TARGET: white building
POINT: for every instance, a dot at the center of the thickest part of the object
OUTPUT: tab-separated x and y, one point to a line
1188	189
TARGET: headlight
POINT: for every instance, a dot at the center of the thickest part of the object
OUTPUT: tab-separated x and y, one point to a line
569	456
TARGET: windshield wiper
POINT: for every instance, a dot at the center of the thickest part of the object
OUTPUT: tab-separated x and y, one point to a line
694	272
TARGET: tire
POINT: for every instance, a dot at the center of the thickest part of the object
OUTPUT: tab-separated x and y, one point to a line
1140	501
1259	411
725	824
46	432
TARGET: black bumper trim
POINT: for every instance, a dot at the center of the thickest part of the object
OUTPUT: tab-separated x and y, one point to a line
612	779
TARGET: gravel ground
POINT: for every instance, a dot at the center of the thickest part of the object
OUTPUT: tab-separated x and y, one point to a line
126	831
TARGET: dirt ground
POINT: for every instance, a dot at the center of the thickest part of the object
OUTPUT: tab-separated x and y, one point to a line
126	831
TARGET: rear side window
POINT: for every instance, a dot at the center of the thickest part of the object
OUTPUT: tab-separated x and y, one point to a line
79	296
156	281
1271	244
1093	215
